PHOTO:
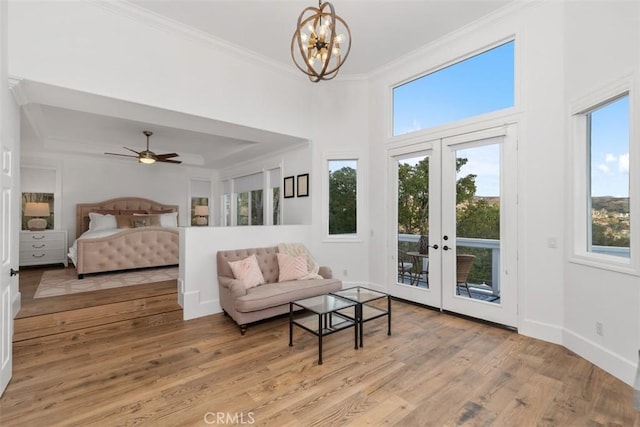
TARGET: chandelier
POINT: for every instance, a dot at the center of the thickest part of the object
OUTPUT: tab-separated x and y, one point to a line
321	43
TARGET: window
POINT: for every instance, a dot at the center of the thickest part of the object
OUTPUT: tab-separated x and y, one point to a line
608	203
480	84
342	197
249	200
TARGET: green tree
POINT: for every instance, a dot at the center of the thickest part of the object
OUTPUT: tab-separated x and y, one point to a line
342	201
413	195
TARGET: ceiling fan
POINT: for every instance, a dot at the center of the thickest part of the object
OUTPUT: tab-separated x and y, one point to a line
147	156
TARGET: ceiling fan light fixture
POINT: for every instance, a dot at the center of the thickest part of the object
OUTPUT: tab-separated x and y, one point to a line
321	42
147	160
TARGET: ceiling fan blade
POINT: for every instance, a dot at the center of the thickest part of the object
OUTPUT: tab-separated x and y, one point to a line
167	155
134	151
169	161
123	155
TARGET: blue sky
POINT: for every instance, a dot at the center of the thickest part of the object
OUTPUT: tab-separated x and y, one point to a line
610	149
485	83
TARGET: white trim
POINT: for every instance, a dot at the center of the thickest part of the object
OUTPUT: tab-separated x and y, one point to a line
356	237
623	85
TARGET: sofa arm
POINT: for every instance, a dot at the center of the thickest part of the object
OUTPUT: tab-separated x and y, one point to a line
236	287
325	272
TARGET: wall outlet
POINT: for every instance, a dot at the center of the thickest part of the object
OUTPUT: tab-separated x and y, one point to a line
599	329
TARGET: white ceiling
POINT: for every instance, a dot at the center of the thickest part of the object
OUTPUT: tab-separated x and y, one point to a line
382	31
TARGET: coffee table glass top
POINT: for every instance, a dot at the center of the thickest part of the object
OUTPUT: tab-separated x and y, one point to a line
324	304
360	294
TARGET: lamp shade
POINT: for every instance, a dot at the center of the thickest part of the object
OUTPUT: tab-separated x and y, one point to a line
201	210
36	209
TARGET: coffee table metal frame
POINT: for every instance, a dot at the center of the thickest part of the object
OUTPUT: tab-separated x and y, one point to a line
326	307
364	312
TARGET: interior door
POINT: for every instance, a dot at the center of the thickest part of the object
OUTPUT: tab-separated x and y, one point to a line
8	210
459	192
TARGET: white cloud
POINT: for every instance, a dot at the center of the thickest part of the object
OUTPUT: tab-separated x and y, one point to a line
610	158
623	163
603	168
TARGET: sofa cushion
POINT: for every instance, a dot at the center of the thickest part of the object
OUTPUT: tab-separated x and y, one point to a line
291	267
279	293
267	260
247	271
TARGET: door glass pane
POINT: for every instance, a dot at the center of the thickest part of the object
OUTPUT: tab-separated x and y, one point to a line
242	209
413	221
609	184
257	208
478	223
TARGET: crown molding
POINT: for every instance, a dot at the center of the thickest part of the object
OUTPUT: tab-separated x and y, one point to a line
170	26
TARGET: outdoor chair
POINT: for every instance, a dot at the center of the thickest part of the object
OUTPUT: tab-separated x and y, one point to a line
463	266
405	266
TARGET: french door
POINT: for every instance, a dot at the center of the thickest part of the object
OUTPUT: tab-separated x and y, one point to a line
455	235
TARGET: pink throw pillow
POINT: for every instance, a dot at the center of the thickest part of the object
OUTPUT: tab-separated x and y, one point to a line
291	267
248	271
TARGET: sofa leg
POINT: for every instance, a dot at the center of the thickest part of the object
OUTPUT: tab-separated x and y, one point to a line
243	329
225	313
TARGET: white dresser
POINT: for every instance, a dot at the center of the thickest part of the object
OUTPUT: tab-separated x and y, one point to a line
43	247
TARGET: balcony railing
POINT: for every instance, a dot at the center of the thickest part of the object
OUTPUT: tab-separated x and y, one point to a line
490	280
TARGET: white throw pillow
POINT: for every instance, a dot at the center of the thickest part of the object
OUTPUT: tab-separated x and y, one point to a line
291	267
102	222
247	271
169	219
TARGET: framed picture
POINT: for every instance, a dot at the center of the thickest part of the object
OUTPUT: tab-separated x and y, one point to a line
289	187
303	185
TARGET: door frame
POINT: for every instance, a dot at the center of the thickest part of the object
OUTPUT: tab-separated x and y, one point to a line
446	271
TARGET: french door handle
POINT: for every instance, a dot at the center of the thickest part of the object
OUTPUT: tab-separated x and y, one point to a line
13	272
445	248
434	246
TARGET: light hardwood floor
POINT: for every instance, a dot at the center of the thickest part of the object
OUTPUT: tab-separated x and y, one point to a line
434	370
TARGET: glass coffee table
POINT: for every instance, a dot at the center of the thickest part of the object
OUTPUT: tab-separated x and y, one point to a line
364	311
320	317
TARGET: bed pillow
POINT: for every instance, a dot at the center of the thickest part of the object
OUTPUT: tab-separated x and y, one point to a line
102	222
169	219
247	271
291	267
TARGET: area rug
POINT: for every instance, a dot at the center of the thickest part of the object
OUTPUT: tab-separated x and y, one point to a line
62	282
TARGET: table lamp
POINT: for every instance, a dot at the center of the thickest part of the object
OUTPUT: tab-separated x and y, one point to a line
37	211
201	212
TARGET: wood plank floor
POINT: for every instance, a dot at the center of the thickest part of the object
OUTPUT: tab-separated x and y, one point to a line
434	370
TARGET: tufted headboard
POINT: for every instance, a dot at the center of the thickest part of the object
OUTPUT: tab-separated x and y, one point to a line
119	206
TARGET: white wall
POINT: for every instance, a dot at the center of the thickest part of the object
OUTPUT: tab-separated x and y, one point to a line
88	179
110	49
602	44
293	162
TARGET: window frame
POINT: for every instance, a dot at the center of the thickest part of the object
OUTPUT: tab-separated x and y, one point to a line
580	183
351	237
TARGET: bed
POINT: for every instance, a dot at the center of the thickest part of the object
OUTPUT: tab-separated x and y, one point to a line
123	234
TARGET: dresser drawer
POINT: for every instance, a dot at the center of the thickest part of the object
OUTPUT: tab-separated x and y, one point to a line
36	236
42	245
36	257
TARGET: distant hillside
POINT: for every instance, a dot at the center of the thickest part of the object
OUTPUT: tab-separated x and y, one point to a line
611	204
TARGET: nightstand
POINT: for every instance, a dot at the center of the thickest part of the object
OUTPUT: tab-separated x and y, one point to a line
43	247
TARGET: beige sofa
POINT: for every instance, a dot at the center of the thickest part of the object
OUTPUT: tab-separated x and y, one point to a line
270	299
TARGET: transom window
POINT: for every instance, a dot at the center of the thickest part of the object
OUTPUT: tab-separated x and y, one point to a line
477	85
